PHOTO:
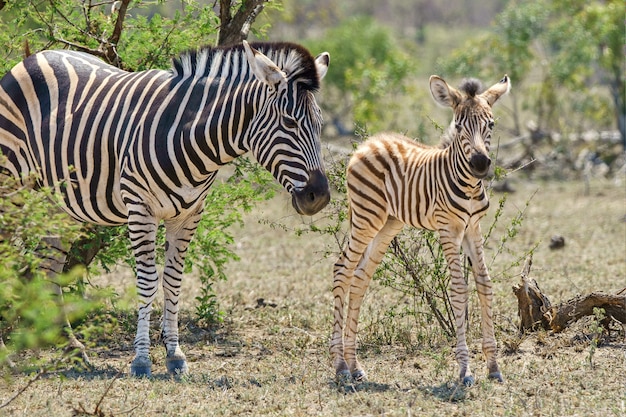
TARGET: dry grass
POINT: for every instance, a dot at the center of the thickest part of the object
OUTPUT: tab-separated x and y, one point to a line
270	357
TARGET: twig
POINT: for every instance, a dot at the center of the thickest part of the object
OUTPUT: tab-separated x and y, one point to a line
97	411
23	389
520	168
106	391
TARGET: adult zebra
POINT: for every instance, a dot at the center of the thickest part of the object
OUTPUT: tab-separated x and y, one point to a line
392	181
145	147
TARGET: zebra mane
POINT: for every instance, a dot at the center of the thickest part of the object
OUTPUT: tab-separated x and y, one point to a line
295	60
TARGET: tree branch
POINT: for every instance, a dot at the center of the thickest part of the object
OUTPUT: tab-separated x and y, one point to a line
536	311
234	29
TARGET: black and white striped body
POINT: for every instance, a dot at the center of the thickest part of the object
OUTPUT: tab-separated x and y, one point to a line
145	147
393	181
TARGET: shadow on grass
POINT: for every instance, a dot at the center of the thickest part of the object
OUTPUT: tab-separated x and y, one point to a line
351	387
448	392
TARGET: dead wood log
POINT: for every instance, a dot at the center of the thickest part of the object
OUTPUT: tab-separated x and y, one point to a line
536	311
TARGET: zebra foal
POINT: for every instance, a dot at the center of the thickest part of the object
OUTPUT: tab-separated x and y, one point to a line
145	147
393	181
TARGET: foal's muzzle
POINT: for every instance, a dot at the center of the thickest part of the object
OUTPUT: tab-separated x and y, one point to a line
479	165
313	196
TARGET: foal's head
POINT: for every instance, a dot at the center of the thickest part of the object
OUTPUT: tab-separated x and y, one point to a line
473	120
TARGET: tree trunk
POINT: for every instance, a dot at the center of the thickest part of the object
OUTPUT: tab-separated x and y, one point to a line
536	311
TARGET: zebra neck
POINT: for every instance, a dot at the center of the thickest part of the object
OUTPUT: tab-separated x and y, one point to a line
216	125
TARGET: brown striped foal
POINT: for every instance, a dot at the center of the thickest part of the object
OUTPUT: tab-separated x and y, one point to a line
393	181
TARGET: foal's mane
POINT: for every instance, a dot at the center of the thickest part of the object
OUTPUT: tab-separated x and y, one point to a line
295	60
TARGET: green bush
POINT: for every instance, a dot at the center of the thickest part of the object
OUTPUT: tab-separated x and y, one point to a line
31	313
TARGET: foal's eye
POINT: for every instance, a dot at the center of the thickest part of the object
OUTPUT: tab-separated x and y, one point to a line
290	122
458	127
491	124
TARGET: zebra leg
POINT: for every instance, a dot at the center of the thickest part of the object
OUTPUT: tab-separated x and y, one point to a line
473	247
178	237
362	277
142	229
53	254
451	244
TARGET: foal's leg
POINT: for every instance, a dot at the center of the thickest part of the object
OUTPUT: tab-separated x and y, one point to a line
343	272
473	247
178	236
451	243
362	277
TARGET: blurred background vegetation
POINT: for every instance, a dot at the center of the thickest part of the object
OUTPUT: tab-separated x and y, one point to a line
564	118
565	57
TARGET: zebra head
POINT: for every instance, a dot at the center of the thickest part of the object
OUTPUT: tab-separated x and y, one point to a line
473	120
286	131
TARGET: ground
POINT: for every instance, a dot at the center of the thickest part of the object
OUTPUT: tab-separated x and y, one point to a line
270	357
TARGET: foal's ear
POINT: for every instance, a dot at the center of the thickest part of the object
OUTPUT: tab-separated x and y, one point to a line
321	63
497	90
443	94
264	68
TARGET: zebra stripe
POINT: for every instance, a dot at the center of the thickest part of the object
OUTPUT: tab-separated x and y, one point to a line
392	181
145	147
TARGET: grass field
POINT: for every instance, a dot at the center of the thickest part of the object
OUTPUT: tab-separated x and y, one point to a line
271	355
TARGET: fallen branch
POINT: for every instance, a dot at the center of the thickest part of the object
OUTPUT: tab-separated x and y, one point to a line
536	311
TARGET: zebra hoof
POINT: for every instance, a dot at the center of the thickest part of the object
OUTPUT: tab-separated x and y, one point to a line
468	380
359	375
141	367
176	365
497	376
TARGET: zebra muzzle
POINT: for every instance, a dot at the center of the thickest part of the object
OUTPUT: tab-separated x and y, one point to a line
314	196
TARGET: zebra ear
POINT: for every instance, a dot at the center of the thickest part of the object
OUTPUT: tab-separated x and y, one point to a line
264	68
321	63
443	94
497	90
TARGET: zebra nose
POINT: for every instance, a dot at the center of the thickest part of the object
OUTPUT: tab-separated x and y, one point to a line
479	164
314	196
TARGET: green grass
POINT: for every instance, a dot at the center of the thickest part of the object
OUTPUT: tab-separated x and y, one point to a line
270	357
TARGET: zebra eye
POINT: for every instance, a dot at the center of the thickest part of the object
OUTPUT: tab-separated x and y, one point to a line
289	122
491	124
458	127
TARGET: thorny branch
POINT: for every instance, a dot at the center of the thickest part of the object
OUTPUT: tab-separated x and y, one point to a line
446	325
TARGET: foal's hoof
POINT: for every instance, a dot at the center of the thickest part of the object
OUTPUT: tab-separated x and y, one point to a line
468	380
497	376
176	365
343	377
359	375
141	367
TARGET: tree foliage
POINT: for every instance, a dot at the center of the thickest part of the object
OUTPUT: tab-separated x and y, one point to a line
369	68
572	47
